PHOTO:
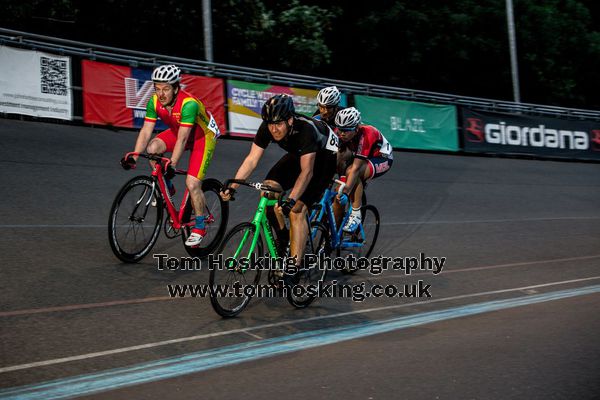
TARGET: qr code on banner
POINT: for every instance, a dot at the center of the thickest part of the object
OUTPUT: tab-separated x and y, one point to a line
54	76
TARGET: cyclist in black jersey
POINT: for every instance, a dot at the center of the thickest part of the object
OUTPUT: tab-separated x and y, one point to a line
311	146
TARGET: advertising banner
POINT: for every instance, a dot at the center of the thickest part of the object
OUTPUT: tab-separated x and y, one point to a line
410	125
117	95
35	83
245	101
488	132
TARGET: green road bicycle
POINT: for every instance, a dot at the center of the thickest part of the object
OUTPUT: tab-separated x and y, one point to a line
245	242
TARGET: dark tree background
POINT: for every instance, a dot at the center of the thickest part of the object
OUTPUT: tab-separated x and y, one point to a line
451	46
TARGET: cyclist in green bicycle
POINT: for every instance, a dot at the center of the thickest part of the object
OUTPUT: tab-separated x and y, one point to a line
311	146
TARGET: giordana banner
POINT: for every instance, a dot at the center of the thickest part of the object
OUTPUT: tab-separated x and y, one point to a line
245	101
117	95
521	134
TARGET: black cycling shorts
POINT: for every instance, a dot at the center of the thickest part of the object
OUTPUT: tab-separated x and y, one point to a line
287	170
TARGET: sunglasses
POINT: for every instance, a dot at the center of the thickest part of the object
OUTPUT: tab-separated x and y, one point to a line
324	106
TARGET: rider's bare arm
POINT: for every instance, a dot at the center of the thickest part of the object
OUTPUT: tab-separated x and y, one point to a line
307	162
249	163
144	136
247	167
182	137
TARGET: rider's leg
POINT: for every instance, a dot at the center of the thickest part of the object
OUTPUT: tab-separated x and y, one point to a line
156	146
277	219
344	158
338	211
324	168
356	194
200	157
299	231
163	143
364	173
194	186
282	176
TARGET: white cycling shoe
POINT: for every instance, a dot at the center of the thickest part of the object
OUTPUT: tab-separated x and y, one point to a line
195	237
353	222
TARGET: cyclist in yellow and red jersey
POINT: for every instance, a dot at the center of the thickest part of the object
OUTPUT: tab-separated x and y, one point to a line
191	127
366	154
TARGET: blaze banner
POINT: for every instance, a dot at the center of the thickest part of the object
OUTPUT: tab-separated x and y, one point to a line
411	125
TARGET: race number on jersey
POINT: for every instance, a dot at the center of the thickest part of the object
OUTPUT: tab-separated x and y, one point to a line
333	142
386	148
213	127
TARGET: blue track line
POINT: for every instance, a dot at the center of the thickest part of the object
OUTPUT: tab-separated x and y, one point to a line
229	355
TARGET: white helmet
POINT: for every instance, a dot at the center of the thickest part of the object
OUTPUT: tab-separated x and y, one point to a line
167	74
329	96
347	119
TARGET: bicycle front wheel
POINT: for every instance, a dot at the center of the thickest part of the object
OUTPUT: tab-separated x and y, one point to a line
362	241
307	278
370	230
233	271
216	211
135	218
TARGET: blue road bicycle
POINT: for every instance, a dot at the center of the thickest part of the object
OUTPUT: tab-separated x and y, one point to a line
359	243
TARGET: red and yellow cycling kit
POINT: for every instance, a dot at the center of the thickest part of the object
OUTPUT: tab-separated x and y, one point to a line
187	111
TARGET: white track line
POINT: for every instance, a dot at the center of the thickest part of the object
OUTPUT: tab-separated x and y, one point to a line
474	221
84	306
73	307
275	324
467	269
489	221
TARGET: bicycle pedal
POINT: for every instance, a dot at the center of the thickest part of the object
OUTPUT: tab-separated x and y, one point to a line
274	277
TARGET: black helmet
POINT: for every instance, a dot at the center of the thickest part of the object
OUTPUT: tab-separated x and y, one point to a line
278	108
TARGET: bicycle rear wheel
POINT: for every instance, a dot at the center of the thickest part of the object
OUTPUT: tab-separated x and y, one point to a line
236	246
307	278
217	215
362	241
134	220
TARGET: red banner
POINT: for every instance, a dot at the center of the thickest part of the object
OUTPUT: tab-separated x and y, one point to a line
117	96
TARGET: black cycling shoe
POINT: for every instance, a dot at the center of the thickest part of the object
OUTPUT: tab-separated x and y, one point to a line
293	278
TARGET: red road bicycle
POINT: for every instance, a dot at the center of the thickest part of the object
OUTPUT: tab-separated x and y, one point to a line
137	212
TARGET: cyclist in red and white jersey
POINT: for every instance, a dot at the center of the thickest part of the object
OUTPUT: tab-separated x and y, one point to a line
191	127
365	154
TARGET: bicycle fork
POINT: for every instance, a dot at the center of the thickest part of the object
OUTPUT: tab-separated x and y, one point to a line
140	201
